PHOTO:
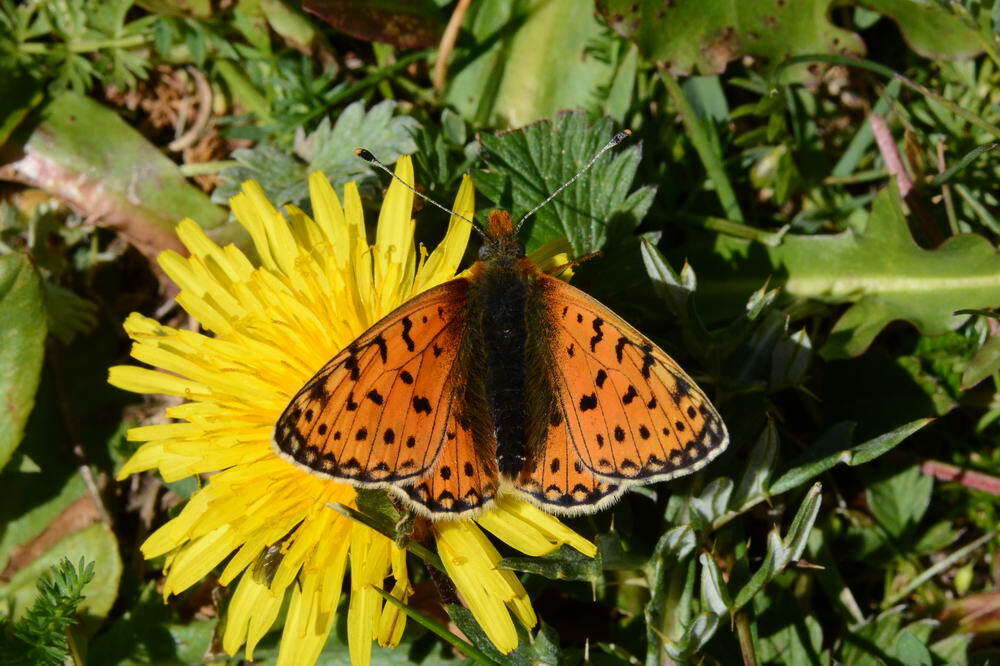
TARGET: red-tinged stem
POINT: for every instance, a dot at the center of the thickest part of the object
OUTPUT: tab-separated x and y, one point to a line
968	478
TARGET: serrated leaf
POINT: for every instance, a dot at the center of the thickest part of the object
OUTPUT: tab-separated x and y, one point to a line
507	78
329	149
690	35
529	164
68	315
22	347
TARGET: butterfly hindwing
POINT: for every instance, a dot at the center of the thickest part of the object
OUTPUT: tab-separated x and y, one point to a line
376	414
463	480
632	414
557	479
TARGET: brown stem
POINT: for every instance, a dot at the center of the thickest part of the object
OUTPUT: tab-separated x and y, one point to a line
447	44
745	635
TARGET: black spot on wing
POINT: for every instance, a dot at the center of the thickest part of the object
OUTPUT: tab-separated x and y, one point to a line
598	333
407	327
588	402
421	405
351	363
600	378
317	391
620	348
647	359
383	350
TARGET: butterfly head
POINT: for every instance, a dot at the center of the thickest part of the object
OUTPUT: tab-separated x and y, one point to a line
501	239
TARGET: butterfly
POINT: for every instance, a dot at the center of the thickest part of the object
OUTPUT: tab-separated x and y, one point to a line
504	380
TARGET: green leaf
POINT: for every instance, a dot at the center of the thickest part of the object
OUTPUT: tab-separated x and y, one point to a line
42	632
899	501
462	617
691	35
22	347
96	543
529	164
759	467
406	24
985	362
714	594
888	277
782	551
18	96
507	77
564	564
68	315
117	175
930	28
713	499
835	447
869	645
794	640
329	149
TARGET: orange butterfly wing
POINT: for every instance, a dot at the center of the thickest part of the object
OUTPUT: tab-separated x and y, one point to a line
557	478
461	481
376	414
631	414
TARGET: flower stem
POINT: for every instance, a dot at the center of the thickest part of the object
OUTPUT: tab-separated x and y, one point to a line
467	648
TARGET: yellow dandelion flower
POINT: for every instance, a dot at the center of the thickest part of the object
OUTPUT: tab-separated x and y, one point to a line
319	284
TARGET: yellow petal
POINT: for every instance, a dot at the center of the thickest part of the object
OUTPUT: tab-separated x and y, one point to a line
472	568
250	614
444	260
141	380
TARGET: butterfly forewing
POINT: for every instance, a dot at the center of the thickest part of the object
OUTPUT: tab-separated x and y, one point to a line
632	415
377	413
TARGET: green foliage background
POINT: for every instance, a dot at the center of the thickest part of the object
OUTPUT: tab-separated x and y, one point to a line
753	225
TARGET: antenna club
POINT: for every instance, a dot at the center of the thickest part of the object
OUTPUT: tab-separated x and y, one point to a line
621	136
364	154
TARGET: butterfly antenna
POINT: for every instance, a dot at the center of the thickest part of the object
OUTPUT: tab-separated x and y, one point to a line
367	156
615	140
